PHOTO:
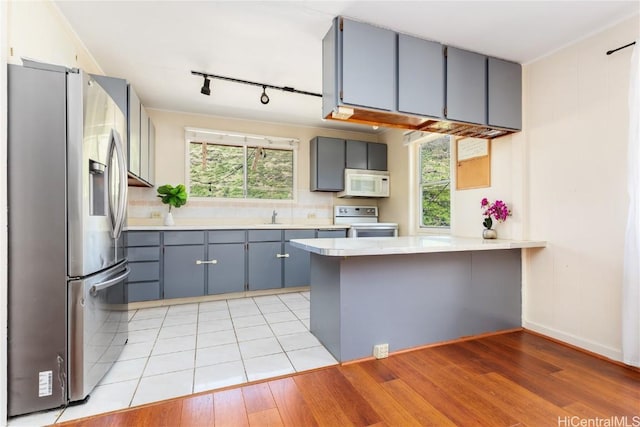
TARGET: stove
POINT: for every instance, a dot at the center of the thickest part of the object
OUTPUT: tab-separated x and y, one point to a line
363	221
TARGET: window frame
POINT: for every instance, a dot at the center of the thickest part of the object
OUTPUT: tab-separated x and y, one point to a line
246	141
419	184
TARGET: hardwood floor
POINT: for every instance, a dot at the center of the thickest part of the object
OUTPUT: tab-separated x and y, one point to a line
510	379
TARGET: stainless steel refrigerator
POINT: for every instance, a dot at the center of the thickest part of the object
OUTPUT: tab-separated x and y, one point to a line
67	201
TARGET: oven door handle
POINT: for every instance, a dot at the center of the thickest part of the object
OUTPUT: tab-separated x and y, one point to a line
108	283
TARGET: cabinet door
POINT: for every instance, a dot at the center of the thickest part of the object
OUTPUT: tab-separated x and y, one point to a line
504	94
376	156
265	267
420	76
143	291
356	154
227	275
134	132
152	153
297	266
182	276
368	65
327	164
466	86
144	144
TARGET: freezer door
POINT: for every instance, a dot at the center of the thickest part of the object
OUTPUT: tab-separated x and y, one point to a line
96	183
97	328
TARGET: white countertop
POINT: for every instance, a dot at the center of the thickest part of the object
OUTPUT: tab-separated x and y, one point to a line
408	245
178	227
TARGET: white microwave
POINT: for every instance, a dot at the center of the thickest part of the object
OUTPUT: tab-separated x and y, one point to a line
365	183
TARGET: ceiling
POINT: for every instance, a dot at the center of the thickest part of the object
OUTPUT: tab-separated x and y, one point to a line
156	44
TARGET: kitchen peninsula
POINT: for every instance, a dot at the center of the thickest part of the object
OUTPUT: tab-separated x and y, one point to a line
411	291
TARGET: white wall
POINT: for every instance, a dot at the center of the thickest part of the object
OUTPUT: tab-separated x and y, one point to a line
308	207
35	30
466	217
576	144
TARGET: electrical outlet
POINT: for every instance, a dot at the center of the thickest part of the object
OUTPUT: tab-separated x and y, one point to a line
311	215
156	215
380	351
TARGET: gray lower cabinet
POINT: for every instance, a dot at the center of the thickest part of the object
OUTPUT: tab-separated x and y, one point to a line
264	265
143	253
227	249
183	276
331	234
297	262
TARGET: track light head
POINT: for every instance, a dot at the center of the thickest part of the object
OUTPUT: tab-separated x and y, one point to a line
206	89
264	98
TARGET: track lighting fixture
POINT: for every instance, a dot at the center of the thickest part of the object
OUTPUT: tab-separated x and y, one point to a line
206	90
264	98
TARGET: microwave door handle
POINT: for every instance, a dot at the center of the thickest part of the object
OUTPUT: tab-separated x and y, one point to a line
108	283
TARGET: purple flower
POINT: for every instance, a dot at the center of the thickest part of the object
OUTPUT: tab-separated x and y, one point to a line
498	210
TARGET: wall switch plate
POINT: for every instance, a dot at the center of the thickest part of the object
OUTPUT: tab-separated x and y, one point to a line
380	351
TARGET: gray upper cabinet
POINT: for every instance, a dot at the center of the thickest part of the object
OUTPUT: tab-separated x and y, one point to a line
376	156
327	161
144	144
356	154
366	155
152	153
134	132
504	98
466	86
368	65
420	77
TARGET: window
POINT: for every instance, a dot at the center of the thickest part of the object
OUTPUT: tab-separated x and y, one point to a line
239	166
435	183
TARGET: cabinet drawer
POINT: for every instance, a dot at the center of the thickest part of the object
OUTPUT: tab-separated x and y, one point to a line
183	237
333	234
299	234
143	254
144	271
227	236
145	291
265	235
143	238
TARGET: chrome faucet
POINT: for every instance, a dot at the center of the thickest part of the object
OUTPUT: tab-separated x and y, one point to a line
273	216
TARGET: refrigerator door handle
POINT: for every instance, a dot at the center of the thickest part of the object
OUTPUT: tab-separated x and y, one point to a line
104	285
118	221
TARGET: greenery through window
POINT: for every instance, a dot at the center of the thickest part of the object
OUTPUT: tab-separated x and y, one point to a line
435	183
232	171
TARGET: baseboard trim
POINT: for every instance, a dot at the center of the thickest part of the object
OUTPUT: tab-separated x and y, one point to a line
436	344
587	346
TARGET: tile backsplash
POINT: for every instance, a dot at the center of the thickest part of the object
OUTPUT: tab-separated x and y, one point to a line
145	208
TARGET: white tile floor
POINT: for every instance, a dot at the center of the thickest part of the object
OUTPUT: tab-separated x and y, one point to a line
183	349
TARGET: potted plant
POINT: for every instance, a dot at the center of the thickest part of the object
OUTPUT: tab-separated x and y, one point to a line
498	210
174	197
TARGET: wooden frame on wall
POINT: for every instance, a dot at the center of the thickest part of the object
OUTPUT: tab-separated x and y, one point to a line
473	163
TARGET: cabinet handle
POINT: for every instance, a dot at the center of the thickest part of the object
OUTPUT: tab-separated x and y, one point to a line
213	261
282	255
